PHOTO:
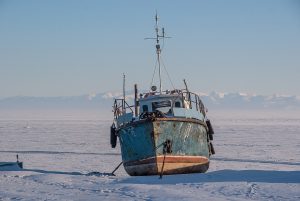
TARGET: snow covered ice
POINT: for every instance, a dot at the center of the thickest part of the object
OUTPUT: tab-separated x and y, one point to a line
257	158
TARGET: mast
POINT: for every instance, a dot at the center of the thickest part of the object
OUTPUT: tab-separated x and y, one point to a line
124	86
124	97
158	49
136	100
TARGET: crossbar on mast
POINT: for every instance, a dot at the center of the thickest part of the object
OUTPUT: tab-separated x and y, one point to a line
158	49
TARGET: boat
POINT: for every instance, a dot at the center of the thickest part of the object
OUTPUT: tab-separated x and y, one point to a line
164	131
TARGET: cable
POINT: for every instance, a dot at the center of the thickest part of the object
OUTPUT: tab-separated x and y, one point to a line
153	73
167	73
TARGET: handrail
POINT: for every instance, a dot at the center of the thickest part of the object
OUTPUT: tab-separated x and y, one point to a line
121	108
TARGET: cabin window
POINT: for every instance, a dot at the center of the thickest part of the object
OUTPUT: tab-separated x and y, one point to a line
156	105
145	108
177	104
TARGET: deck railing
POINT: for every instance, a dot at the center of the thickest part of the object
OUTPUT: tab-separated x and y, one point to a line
121	107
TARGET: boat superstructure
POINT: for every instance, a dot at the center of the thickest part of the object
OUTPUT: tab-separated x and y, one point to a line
163	131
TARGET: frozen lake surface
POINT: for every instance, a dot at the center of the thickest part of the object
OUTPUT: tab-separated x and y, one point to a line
257	158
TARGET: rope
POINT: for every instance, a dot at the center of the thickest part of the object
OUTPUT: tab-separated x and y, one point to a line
170	80
162	168
112	173
153	73
167	73
167	149
116	169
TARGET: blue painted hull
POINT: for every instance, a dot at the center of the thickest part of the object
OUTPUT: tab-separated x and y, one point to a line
142	146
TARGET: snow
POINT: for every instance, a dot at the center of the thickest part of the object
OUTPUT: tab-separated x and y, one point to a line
257	158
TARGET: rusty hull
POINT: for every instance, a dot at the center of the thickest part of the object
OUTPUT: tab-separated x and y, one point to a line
142	146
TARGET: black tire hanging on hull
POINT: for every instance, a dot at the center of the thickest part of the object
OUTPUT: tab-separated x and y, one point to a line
210	128
212	150
113	136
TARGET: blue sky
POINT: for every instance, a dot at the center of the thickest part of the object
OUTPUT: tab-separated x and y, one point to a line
69	47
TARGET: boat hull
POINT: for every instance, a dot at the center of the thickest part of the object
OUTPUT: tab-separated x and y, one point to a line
142	145
171	165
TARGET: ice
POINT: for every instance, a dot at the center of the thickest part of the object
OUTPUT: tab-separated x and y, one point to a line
68	157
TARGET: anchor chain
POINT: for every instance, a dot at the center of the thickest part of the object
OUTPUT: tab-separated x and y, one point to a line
166	149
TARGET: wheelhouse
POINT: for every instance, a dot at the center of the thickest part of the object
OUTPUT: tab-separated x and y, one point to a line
176	104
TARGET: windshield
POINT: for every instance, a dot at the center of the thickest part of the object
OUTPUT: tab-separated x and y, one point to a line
163	106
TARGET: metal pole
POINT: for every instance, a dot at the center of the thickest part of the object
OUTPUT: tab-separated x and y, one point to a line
123	106
159	70
158	50
136	100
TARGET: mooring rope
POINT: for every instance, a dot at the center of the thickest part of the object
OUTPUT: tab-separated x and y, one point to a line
162	167
166	149
116	168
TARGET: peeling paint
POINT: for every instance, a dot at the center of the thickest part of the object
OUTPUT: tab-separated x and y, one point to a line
144	140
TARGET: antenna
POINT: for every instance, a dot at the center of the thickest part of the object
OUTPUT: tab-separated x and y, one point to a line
158	49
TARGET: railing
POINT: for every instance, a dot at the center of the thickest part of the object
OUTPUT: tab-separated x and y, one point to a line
120	107
194	101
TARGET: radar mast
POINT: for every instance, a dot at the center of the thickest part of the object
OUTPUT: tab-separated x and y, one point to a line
158	49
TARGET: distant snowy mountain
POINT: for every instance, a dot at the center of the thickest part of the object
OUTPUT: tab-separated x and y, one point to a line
250	101
213	100
90	101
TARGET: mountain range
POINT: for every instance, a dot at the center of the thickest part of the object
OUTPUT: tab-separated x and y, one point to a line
100	101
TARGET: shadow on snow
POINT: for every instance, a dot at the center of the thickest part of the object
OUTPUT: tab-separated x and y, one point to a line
265	176
13	166
255	161
99	174
58	152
